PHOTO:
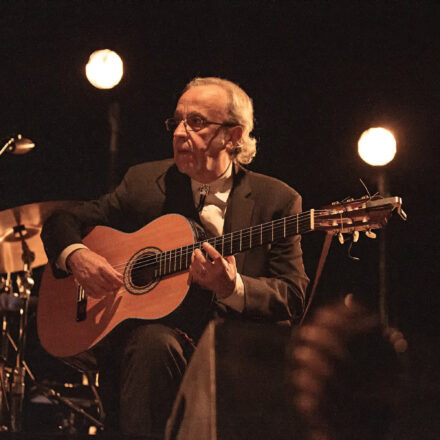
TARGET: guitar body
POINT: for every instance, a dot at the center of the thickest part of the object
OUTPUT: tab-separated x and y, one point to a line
60	331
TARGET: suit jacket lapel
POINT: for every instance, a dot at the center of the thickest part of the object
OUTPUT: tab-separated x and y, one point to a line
176	187
178	194
240	208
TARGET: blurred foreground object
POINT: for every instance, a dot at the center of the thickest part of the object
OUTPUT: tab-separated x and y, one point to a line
345	373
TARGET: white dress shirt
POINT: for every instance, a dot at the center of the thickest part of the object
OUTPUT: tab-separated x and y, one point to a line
212	217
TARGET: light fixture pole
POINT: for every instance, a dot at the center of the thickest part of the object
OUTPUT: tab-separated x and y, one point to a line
104	70
377	147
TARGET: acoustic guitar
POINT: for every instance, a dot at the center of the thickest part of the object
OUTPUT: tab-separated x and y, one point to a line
154	262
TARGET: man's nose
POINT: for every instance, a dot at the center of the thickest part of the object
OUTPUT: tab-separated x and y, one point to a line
181	129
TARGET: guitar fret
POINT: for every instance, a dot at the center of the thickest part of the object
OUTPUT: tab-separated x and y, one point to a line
261	234
272	230
200	246
231	235
164	265
241	237
250	237
223	245
160	265
284	226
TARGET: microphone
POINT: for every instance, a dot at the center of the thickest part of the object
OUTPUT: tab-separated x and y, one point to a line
18	145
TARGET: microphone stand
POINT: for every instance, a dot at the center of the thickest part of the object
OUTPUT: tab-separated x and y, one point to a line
8	144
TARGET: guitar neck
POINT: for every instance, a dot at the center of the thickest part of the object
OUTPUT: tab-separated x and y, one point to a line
254	236
179	259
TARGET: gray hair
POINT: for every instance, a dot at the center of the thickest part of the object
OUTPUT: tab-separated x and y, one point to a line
241	112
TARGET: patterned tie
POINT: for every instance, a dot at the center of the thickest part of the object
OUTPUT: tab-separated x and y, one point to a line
204	191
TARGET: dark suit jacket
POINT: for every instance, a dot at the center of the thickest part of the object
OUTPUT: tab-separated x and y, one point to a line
273	275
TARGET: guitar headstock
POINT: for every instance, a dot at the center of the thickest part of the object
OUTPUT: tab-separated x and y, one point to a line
364	214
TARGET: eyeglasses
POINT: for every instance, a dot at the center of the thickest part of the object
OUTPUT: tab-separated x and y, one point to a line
194	122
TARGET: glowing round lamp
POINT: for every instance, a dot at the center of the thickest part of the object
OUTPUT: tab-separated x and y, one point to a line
104	69
377	146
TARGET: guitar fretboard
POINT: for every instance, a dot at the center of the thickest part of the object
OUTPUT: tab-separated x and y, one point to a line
176	260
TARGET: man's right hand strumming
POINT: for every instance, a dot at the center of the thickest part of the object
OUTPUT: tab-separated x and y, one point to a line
94	273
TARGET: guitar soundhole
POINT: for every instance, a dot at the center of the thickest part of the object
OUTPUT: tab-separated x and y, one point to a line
140	275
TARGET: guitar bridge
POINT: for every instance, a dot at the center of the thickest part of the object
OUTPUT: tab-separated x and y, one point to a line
81	304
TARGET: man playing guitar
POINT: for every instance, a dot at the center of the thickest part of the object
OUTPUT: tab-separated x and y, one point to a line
142	361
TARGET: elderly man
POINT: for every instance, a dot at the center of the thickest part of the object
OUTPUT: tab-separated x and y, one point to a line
143	361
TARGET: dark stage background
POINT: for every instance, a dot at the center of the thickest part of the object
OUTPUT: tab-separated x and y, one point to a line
320	73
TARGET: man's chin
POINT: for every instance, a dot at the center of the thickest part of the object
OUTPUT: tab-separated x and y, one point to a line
185	165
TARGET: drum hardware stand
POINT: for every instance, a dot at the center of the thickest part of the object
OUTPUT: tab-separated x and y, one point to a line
25	282
17	374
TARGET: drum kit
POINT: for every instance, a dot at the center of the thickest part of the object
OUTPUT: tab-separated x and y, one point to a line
21	251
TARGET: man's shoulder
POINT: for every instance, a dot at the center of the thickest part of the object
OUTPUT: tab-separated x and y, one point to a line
157	167
262	182
148	172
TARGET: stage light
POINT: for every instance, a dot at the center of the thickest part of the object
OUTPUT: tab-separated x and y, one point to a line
377	146
104	69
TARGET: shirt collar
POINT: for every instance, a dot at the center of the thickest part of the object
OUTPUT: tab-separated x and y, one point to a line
220	185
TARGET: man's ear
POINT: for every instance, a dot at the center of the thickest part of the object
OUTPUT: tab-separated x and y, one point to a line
235	134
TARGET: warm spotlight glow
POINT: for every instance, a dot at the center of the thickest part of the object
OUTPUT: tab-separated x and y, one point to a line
377	146
104	69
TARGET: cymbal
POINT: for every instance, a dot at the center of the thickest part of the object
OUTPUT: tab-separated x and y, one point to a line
27	219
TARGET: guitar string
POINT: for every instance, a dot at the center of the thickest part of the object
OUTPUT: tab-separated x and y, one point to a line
186	250
235	237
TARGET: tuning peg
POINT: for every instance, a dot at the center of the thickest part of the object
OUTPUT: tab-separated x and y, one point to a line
355	236
370	234
402	214
341	238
